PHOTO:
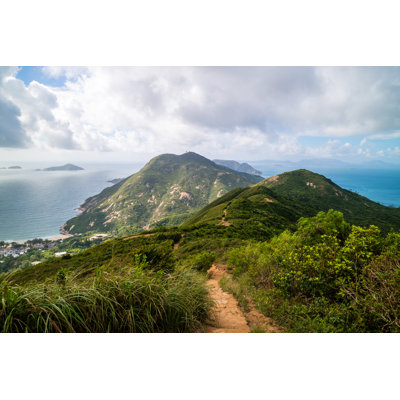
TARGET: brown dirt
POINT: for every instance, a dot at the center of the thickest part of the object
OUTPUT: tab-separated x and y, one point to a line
176	245
273	178
135	236
223	221
227	316
256	320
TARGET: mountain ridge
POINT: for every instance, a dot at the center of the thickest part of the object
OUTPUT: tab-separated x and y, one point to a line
162	193
280	200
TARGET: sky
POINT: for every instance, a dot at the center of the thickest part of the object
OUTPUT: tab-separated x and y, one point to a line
125	114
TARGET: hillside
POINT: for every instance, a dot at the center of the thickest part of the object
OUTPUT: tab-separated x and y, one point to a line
240	167
306	187
277	202
162	193
274	263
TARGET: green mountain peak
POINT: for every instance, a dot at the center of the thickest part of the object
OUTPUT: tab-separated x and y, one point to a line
164	192
278	201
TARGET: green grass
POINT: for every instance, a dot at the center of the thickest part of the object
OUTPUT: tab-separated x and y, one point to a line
237	289
134	300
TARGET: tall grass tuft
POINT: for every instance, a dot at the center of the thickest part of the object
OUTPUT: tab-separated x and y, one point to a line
134	300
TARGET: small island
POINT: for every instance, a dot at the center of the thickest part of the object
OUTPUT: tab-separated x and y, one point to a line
15	167
116	180
66	167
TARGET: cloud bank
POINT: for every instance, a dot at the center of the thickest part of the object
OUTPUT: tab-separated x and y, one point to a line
246	112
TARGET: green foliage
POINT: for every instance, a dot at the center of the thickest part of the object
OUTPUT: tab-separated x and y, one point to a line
163	193
331	223
325	276
237	289
135	300
202	261
304	187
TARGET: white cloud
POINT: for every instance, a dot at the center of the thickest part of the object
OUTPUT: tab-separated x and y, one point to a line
242	112
385	136
12	133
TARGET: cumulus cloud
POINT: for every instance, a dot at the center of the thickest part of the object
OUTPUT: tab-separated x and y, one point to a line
35	119
12	133
247	111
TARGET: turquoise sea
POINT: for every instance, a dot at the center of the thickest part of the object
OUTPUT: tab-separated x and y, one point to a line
380	185
36	203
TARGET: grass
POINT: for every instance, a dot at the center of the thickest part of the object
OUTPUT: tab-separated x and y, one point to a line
237	289
134	300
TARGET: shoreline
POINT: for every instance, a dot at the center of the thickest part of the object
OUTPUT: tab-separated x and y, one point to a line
51	239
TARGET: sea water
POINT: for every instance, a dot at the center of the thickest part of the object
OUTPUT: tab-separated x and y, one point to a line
379	185
36	203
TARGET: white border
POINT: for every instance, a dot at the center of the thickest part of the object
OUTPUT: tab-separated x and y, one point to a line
187	32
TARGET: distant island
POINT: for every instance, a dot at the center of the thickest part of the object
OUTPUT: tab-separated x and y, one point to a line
116	180
66	167
239	167
15	167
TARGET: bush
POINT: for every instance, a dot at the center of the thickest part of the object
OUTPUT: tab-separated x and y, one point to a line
326	276
202	261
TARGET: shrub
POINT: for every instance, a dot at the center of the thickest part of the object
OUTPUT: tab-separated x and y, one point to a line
202	261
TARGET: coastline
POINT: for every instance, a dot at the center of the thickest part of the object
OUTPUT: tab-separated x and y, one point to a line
51	239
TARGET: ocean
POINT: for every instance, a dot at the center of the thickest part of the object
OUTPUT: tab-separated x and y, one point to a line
36	203
380	185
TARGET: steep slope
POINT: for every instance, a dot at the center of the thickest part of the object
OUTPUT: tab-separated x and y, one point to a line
162	193
254	212
306	187
277	202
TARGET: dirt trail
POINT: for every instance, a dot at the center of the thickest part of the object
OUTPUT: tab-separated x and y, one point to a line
223	220
256	320
227	315
176	245
139	235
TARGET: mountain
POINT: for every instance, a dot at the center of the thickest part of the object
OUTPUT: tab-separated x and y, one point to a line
66	167
240	167
162	193
277	202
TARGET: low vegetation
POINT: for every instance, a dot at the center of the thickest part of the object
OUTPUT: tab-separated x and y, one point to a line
134	296
310	270
327	276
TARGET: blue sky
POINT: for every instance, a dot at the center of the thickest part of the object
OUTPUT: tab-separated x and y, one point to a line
246	113
29	74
